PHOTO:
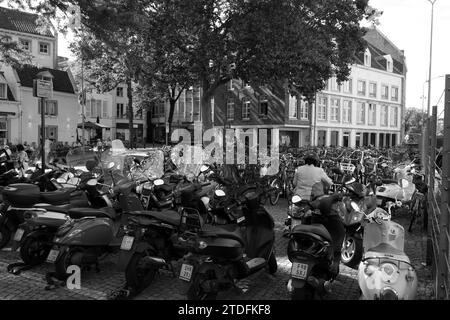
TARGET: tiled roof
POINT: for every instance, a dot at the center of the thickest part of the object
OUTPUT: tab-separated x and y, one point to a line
61	80
20	21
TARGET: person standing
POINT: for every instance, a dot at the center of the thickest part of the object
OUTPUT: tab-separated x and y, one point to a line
22	159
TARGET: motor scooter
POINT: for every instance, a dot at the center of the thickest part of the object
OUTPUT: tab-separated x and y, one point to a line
221	256
385	272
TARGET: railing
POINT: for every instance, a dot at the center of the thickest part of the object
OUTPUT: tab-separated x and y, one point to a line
438	209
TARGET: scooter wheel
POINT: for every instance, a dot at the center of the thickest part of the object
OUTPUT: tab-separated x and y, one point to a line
138	275
34	250
351	252
5	236
196	292
63	262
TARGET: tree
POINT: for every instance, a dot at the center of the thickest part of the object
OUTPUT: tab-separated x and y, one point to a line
414	118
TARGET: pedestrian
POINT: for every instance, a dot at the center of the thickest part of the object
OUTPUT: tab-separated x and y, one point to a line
22	160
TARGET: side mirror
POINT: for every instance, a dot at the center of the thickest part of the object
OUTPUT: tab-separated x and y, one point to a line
404	183
204	168
296	199
355	206
220	193
92	182
111	165
158	182
61	180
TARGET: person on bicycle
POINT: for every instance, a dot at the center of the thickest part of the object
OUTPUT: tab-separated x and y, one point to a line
310	179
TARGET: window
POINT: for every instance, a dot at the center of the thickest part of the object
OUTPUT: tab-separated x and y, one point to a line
322	109
196	98
384	92
3	91
304	110
25	44
189	104
346	139
51	108
361	113
51	132
372	90
347	111
389	64
264	108
334	85
335	106
294	104
105	110
361	87
367	58
384	115
347	85
120	113
213	102
230	85
246	105
372	114
181	103
3	131
394	116
119	91
230	110
394	93
44	48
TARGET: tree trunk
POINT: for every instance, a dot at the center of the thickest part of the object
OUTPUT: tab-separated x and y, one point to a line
206	109
130	111
170	118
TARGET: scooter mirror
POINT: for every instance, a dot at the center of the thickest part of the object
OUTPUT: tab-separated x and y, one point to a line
220	193
111	165
204	168
296	199
404	183
355	206
61	180
158	182
92	182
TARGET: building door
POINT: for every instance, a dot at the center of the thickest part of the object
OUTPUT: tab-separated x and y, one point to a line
358	140
394	140
334	138
373	139
321	138
365	139
381	140
346	139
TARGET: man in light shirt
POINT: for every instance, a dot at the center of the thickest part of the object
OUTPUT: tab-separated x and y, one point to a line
310	180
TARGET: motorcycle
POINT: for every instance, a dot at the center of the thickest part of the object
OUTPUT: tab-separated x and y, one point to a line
222	255
385	272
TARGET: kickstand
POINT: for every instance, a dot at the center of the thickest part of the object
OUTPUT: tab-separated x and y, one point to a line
18	267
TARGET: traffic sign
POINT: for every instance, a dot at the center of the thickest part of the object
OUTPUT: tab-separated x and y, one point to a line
42	88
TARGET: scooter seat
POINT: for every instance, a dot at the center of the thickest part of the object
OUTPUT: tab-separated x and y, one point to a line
227	231
167	216
314	229
166	187
56	197
61	209
386	248
78	213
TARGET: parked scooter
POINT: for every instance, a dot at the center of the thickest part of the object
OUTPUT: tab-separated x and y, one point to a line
222	255
312	251
385	272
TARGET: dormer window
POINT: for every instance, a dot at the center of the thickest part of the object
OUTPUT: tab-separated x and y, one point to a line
3	88
389	63
367	58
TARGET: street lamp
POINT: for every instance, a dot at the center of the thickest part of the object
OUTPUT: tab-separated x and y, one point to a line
431	56
43	89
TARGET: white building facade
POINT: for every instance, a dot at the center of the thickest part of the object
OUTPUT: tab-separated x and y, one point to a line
366	110
20	117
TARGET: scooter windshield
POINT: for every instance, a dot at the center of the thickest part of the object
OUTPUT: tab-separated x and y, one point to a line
83	158
188	160
388	232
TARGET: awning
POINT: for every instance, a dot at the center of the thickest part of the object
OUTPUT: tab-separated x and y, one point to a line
93	125
4	114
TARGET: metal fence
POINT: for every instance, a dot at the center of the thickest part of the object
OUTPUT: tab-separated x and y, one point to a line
438	213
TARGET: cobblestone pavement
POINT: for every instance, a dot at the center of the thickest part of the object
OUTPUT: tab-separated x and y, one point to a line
262	286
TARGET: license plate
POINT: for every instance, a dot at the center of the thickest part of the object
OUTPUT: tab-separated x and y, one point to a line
186	272
299	270
127	243
19	234
52	255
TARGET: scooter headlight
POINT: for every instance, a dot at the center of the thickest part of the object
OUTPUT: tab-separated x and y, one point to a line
388	293
389	272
